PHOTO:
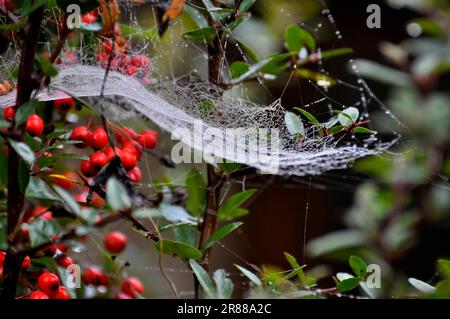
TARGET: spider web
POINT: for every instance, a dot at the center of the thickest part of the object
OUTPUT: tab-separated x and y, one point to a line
176	103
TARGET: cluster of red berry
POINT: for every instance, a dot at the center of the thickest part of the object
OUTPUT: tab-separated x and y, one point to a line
7	4
129	150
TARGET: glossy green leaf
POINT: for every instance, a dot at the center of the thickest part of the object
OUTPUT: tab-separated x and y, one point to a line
363	130
23	175
309	116
203	35
238	68
348	284
246	5
196	188
233	203
24	111
358	265
224	286
221	234
178	249
247	50
203	278
117	195
294	124
247	273
196	16
421	286
68	200
348	116
3	170
295	38
23	150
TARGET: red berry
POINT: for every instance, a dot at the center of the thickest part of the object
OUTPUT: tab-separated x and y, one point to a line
135	174
130	70
50	250
140	61
96	201
88	18
38	295
129	159
42	212
132	285
98	160
98	139
65	261
61	293
115	242
2	258
34	125
147	139
94	276
65	104
87	169
122	295
125	134
9	113
48	283
26	262
110	153
131	147
80	133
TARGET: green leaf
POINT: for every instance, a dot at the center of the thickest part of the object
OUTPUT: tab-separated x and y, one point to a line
23	175
247	273
186	233
421	286
117	195
269	65
348	116
203	278
348	284
238	68
46	67
220	234
137	33
358	265
178	249
68	200
246	5
276	64
24	111
3	233
203	35
325	55
233	203
294	124
217	13
196	16
363	130
295	38
229	167
32	143
224	286
41	231
247	50
308	115
444	268
3	170
236	23
23	150
298	270
336	129
37	188
196	188
375	71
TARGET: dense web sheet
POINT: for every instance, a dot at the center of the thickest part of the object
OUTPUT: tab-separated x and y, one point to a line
173	103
